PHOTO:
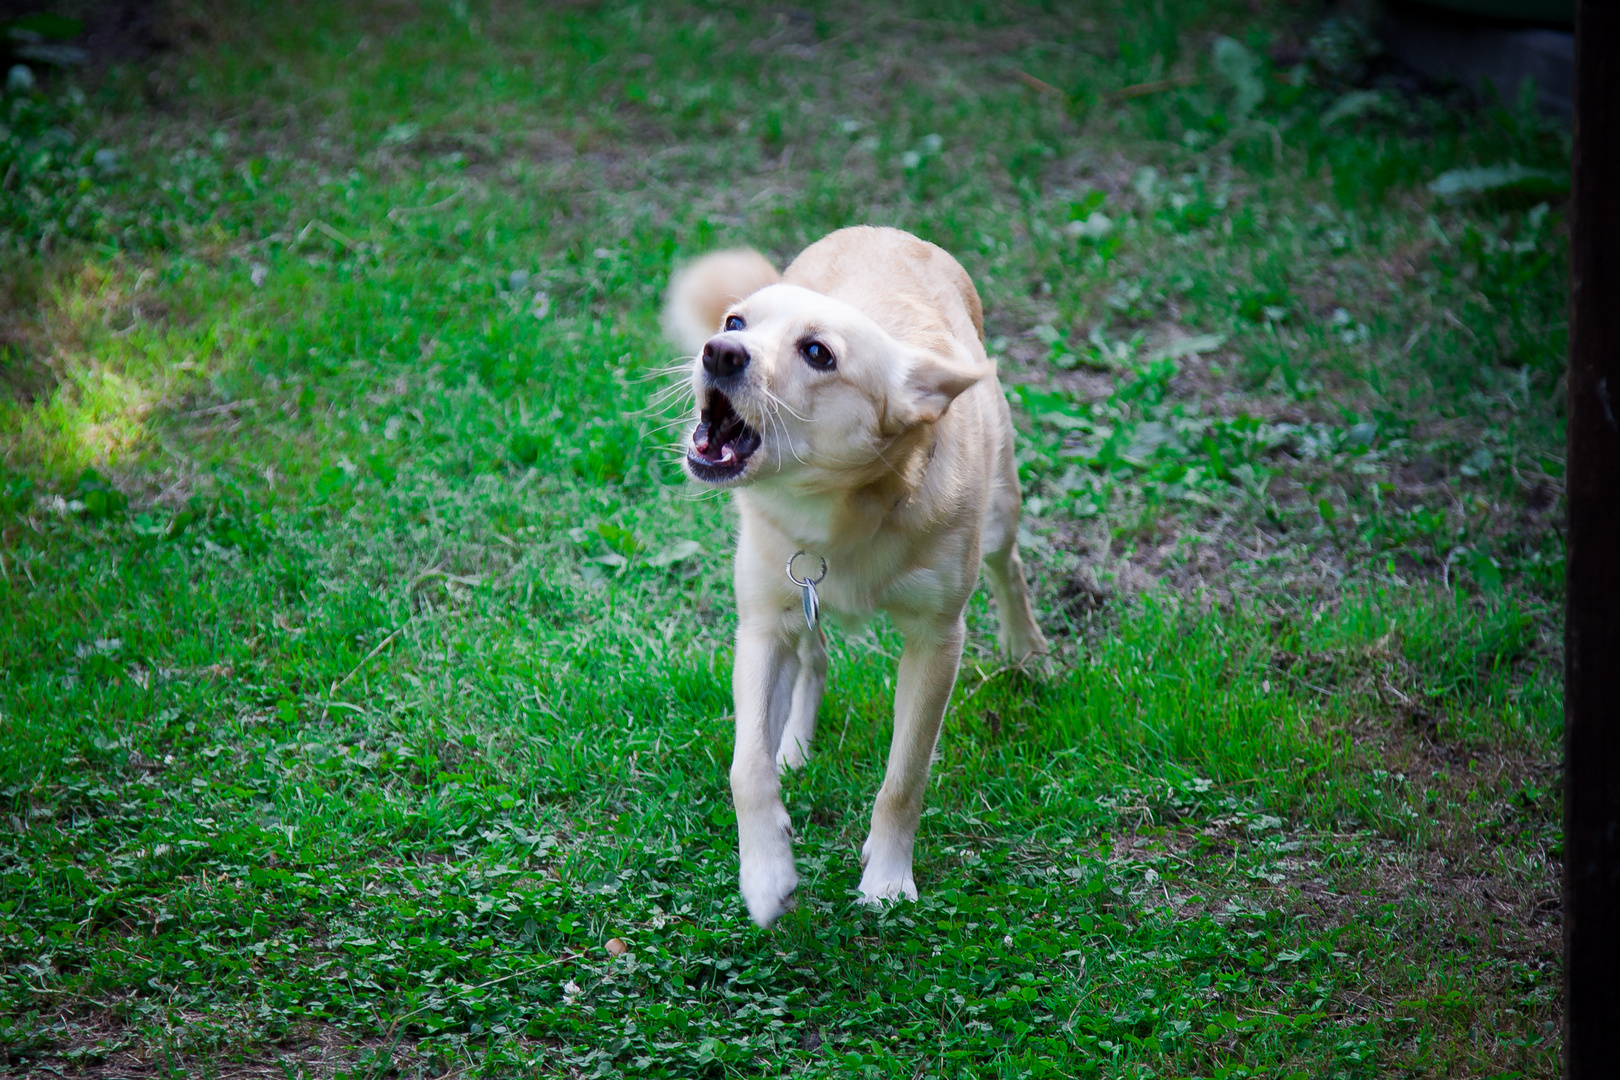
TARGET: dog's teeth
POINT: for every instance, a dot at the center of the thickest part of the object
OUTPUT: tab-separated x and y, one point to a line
727	455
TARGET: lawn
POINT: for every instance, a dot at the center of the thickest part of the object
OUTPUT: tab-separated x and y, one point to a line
365	660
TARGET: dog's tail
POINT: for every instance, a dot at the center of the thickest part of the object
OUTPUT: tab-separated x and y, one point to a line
700	293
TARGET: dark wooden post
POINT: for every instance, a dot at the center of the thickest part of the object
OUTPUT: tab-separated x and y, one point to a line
1592	606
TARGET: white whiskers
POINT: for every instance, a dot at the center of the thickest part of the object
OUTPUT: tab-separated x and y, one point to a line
781	428
766	391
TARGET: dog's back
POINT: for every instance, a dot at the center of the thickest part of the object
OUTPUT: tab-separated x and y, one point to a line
898	280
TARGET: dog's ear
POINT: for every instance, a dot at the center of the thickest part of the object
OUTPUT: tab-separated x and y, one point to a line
933	378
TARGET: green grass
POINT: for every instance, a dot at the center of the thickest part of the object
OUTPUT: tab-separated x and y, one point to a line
366	660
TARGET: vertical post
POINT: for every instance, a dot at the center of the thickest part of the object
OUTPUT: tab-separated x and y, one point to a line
1592	605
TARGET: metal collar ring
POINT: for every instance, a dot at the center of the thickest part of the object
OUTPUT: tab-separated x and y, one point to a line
803	582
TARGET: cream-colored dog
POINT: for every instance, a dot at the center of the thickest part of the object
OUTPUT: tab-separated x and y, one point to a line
850	403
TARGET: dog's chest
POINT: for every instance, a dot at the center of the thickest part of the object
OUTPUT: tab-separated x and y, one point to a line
892	570
852	597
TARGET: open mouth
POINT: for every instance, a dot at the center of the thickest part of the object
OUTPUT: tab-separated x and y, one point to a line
722	442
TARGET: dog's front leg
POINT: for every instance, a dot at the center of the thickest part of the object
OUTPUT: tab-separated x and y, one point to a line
766	668
794	746
922	690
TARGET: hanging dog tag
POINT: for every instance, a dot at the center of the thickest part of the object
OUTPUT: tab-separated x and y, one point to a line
807	591
812	605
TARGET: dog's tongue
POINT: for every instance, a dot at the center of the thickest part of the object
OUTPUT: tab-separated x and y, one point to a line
713	441
717	431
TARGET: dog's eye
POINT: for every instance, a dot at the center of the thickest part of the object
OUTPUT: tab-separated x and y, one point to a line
817	355
735	322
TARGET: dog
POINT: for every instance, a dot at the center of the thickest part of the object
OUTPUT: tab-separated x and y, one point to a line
849	405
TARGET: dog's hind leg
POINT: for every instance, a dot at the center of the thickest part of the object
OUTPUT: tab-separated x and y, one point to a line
1019	635
807	689
763	679
922	690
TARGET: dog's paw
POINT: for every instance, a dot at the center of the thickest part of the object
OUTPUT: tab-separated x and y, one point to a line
791	756
880	888
768	888
887	876
767	876
1027	648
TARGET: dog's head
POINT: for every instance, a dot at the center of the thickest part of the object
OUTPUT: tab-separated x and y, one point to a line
798	384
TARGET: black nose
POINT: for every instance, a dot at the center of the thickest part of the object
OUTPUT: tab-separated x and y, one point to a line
722	357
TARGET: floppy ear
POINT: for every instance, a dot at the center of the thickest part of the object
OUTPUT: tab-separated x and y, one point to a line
932	381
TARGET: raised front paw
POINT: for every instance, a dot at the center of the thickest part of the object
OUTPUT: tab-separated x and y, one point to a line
768	886
767	877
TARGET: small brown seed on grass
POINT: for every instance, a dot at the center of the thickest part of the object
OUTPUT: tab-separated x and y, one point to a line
617	947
